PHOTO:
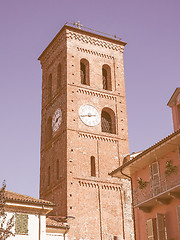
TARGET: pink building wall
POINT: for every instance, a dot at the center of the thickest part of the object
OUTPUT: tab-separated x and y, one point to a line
169	210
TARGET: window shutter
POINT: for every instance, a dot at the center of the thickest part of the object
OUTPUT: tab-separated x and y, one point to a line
25	224
161	231
21	224
155	179
151	229
178	217
18	223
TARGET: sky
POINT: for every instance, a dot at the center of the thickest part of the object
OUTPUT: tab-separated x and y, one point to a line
152	72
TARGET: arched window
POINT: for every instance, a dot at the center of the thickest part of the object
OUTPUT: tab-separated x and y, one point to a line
49	130
49	87
84	70
106	77
59	77
93	166
108	123
49	176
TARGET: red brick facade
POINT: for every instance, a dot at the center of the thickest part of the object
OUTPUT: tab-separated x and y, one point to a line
97	206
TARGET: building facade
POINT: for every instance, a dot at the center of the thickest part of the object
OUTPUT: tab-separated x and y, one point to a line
155	175
29	217
84	134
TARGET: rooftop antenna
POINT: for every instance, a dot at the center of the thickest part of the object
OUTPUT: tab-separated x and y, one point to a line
79	26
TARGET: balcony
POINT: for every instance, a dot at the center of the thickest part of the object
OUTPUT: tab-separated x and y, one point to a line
168	188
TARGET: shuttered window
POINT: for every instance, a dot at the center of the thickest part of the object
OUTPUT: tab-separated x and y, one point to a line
155	179
155	228
161	231
178	217
21	224
151	229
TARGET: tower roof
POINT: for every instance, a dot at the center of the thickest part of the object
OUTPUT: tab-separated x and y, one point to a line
90	32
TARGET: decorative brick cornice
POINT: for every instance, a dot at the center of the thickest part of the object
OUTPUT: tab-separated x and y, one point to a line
95	53
96	94
97	185
88	184
109	187
95	137
94	41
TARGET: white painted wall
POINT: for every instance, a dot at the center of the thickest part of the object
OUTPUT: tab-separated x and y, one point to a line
33	228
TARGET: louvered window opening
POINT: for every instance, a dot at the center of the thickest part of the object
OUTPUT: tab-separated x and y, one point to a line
107	123
83	74
155	228
21	224
104	73
155	179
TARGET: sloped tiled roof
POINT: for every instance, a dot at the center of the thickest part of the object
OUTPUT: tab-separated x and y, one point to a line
16	197
54	221
164	140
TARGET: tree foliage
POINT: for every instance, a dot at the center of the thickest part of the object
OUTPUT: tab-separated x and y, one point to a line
6	224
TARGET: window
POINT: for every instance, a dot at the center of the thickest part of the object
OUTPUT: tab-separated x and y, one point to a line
93	166
106	77
178	217
59	77
155	228
154	179
84	70
49	130
108	121
151	229
50	87
49	176
161	231
21	224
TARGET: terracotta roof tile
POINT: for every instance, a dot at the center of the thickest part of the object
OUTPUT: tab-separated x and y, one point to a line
162	141
12	196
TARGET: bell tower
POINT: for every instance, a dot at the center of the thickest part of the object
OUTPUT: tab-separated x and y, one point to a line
84	134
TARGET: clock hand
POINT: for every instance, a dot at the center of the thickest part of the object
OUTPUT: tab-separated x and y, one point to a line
57	119
88	115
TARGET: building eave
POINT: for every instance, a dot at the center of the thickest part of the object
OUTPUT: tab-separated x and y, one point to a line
125	168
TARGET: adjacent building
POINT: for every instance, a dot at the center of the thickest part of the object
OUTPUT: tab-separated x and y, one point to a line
30	221
155	176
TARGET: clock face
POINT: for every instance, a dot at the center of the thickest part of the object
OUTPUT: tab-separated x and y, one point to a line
89	115
56	120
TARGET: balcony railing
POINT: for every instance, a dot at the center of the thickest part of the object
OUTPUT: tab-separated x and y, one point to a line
167	188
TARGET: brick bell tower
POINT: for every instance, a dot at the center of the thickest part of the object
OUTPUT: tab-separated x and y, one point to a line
84	134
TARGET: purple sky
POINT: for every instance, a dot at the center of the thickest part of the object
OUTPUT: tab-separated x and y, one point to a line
152	72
